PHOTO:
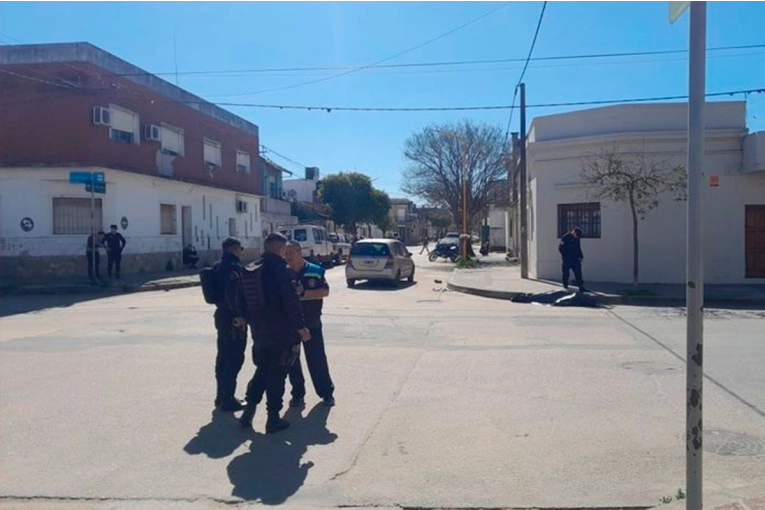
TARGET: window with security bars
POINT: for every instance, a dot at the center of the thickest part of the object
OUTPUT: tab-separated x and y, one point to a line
585	216
168	219
71	216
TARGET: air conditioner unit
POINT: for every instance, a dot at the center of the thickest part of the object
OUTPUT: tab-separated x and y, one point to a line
152	132
241	206
101	116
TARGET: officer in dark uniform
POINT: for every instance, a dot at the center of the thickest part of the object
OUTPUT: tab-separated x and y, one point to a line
115	244
231	326
277	331
570	249
312	288
93	256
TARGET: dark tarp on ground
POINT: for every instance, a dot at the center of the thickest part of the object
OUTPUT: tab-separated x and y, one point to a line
558	298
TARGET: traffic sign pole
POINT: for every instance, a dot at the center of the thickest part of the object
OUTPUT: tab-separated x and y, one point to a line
694	292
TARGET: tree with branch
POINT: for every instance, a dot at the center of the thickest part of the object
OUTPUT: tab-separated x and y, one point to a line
635	179
352	200
440	155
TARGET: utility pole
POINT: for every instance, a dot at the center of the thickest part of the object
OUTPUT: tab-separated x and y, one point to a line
694	292
512	186
465	239
523	202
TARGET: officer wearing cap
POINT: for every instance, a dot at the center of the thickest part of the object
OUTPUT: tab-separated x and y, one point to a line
232	329
570	249
312	288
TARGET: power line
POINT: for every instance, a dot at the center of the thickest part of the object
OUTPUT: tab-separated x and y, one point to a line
31	78
270	150
585	56
356	69
330	109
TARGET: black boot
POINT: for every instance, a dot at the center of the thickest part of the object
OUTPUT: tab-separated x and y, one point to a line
275	424
247	416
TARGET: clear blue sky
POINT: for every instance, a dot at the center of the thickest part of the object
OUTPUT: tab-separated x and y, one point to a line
244	35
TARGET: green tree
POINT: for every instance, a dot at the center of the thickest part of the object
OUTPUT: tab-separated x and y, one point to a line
636	179
441	222
353	200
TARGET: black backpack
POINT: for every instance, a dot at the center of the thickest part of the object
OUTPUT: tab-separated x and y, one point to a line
212	284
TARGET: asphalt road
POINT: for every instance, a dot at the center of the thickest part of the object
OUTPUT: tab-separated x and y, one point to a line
443	400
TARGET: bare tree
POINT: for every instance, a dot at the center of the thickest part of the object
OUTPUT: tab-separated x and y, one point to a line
633	178
440	155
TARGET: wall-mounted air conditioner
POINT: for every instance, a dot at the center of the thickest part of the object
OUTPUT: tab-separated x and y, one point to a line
101	116
152	132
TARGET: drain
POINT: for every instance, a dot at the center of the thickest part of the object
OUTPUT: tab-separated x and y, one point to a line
650	367
723	442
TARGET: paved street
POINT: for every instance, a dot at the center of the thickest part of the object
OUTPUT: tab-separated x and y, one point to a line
444	400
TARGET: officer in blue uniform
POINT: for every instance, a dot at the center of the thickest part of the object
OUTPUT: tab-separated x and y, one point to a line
312	287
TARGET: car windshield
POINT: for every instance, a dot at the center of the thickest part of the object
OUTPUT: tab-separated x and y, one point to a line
370	250
333	238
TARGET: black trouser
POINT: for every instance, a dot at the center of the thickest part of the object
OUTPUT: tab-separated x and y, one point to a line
270	376
91	263
232	343
316	359
576	267
114	260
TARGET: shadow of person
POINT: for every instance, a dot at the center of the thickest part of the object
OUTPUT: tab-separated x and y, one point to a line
219	438
272	470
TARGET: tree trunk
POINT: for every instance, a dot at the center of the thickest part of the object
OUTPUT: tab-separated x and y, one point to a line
635	248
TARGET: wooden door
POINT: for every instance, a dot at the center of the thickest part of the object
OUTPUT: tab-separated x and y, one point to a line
755	241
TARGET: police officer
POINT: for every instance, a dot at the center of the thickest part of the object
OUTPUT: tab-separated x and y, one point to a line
277	331
312	288
115	244
570	249
231	326
93	256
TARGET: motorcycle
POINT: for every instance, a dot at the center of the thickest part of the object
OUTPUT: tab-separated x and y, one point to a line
446	251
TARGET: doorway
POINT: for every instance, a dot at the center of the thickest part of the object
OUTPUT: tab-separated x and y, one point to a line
186	228
755	241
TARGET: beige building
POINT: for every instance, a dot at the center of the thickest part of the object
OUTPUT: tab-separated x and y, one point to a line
733	194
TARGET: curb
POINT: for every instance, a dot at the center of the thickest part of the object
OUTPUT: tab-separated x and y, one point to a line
611	300
106	291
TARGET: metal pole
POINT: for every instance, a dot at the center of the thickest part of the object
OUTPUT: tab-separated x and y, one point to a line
694	292
93	223
464	207
522	185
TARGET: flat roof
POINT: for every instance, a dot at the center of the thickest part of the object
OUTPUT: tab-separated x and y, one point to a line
84	52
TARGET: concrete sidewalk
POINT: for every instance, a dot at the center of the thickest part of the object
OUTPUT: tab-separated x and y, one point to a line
495	278
166	280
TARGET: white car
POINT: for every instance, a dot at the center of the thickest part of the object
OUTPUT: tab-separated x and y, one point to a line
450	238
314	241
379	259
341	247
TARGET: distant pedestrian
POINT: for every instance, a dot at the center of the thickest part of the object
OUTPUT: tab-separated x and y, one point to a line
277	331
570	249
115	244
312	288
190	257
231	327
425	242
93	256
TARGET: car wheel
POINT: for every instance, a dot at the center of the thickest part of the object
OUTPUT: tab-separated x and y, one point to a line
397	281
411	277
351	282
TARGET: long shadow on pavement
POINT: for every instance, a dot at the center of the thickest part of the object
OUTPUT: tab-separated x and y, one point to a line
219	438
272	470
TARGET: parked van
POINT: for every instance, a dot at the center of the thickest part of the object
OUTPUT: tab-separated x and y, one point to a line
314	240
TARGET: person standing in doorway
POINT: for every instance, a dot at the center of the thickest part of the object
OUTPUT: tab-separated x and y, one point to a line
115	243
570	249
94	256
312	288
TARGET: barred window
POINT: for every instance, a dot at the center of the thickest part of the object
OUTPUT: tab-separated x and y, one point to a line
168	219
71	216
585	216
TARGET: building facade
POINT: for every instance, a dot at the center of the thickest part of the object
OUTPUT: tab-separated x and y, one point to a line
277	210
178	169
733	194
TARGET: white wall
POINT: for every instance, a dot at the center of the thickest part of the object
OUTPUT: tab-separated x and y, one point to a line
304	188
554	176
28	192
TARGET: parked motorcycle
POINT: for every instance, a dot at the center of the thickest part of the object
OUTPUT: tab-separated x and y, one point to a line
445	251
